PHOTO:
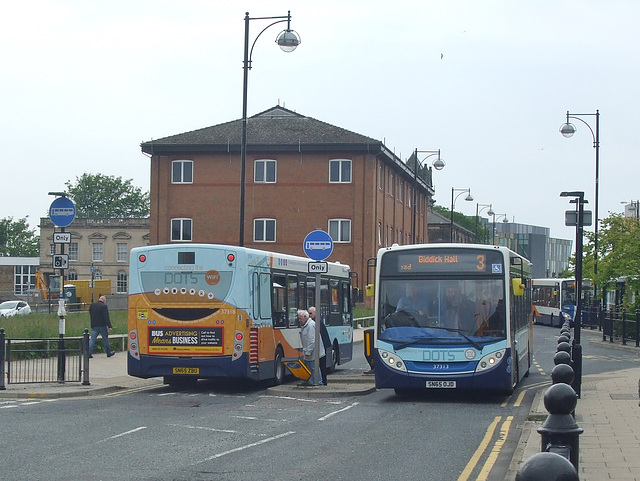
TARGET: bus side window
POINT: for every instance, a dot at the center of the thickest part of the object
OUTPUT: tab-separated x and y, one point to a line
279	301
292	301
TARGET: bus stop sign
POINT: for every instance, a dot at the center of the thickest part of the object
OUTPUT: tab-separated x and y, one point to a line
318	245
62	211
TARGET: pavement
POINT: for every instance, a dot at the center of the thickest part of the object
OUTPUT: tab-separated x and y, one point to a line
608	409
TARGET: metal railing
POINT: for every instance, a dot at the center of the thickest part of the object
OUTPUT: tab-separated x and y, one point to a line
44	360
615	324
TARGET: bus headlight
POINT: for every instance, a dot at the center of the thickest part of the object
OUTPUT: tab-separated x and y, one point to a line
392	360
490	361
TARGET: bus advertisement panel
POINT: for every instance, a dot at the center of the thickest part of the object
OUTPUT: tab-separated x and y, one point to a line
214	311
451	316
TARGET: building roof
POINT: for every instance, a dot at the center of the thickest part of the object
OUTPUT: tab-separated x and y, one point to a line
275	129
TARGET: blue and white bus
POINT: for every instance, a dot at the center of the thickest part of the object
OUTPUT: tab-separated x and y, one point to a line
554	300
451	316
214	311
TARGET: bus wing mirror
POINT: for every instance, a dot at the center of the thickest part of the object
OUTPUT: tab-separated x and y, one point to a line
370	290
518	286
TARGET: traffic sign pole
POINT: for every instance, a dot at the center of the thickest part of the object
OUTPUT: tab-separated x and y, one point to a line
318	245
62	212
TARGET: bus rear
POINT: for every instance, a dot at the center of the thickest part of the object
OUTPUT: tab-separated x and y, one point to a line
188	313
451	316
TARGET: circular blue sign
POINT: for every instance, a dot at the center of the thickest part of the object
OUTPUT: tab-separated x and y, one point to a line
62	211
318	245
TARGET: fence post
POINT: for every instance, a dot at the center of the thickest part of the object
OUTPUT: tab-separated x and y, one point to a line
611	326
2	336
624	327
85	357
637	328
601	319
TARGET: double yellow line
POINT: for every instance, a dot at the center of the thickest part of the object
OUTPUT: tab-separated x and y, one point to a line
484	444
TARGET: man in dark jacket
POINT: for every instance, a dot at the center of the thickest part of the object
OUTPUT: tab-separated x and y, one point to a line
100	324
326	342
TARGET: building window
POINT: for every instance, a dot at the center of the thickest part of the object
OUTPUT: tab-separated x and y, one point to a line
340	171
52	249
72	275
121	252
264	230
264	171
73	251
98	251
181	229
24	279
340	230
182	172
121	282
97	275
381	177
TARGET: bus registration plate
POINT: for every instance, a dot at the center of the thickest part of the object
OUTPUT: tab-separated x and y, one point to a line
186	370
441	384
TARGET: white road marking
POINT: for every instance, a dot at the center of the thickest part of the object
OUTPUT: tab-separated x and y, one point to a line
324	418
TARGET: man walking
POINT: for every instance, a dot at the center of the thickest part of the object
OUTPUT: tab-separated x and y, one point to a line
100	324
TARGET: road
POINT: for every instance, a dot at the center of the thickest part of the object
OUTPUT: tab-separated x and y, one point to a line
239	432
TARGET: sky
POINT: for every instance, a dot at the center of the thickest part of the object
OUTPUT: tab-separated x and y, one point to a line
488	83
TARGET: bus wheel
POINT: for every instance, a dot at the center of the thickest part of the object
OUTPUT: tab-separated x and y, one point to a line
278	368
335	356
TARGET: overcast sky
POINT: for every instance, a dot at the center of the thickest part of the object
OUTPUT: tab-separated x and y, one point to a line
488	83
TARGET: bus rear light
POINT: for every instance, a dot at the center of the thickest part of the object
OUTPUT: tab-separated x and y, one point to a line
134	348
142	258
239	336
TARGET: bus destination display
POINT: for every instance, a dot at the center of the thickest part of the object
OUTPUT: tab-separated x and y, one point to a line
448	261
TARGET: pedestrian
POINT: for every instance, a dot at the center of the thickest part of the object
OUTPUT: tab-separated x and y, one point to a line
326	343
100	324
308	338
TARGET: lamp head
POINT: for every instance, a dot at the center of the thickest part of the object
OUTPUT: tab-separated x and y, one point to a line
469	197
567	130
438	164
490	211
288	40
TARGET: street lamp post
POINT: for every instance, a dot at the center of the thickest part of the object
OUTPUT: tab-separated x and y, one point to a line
468	198
288	40
478	212
493	233
437	164
567	130
576	350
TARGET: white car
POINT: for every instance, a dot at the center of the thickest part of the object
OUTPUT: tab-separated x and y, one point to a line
13	308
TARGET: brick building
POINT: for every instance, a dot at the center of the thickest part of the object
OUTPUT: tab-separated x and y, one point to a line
301	174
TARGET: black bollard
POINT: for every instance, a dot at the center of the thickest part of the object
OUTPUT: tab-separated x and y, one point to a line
562	373
546	467
562	357
564	338
564	346
560	433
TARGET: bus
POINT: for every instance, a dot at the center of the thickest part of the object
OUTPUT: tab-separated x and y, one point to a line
451	316
202	311
554	300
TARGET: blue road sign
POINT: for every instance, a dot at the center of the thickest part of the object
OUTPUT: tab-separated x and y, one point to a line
318	245
62	211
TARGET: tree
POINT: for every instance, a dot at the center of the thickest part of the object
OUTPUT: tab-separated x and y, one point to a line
102	195
16	240
468	222
618	254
